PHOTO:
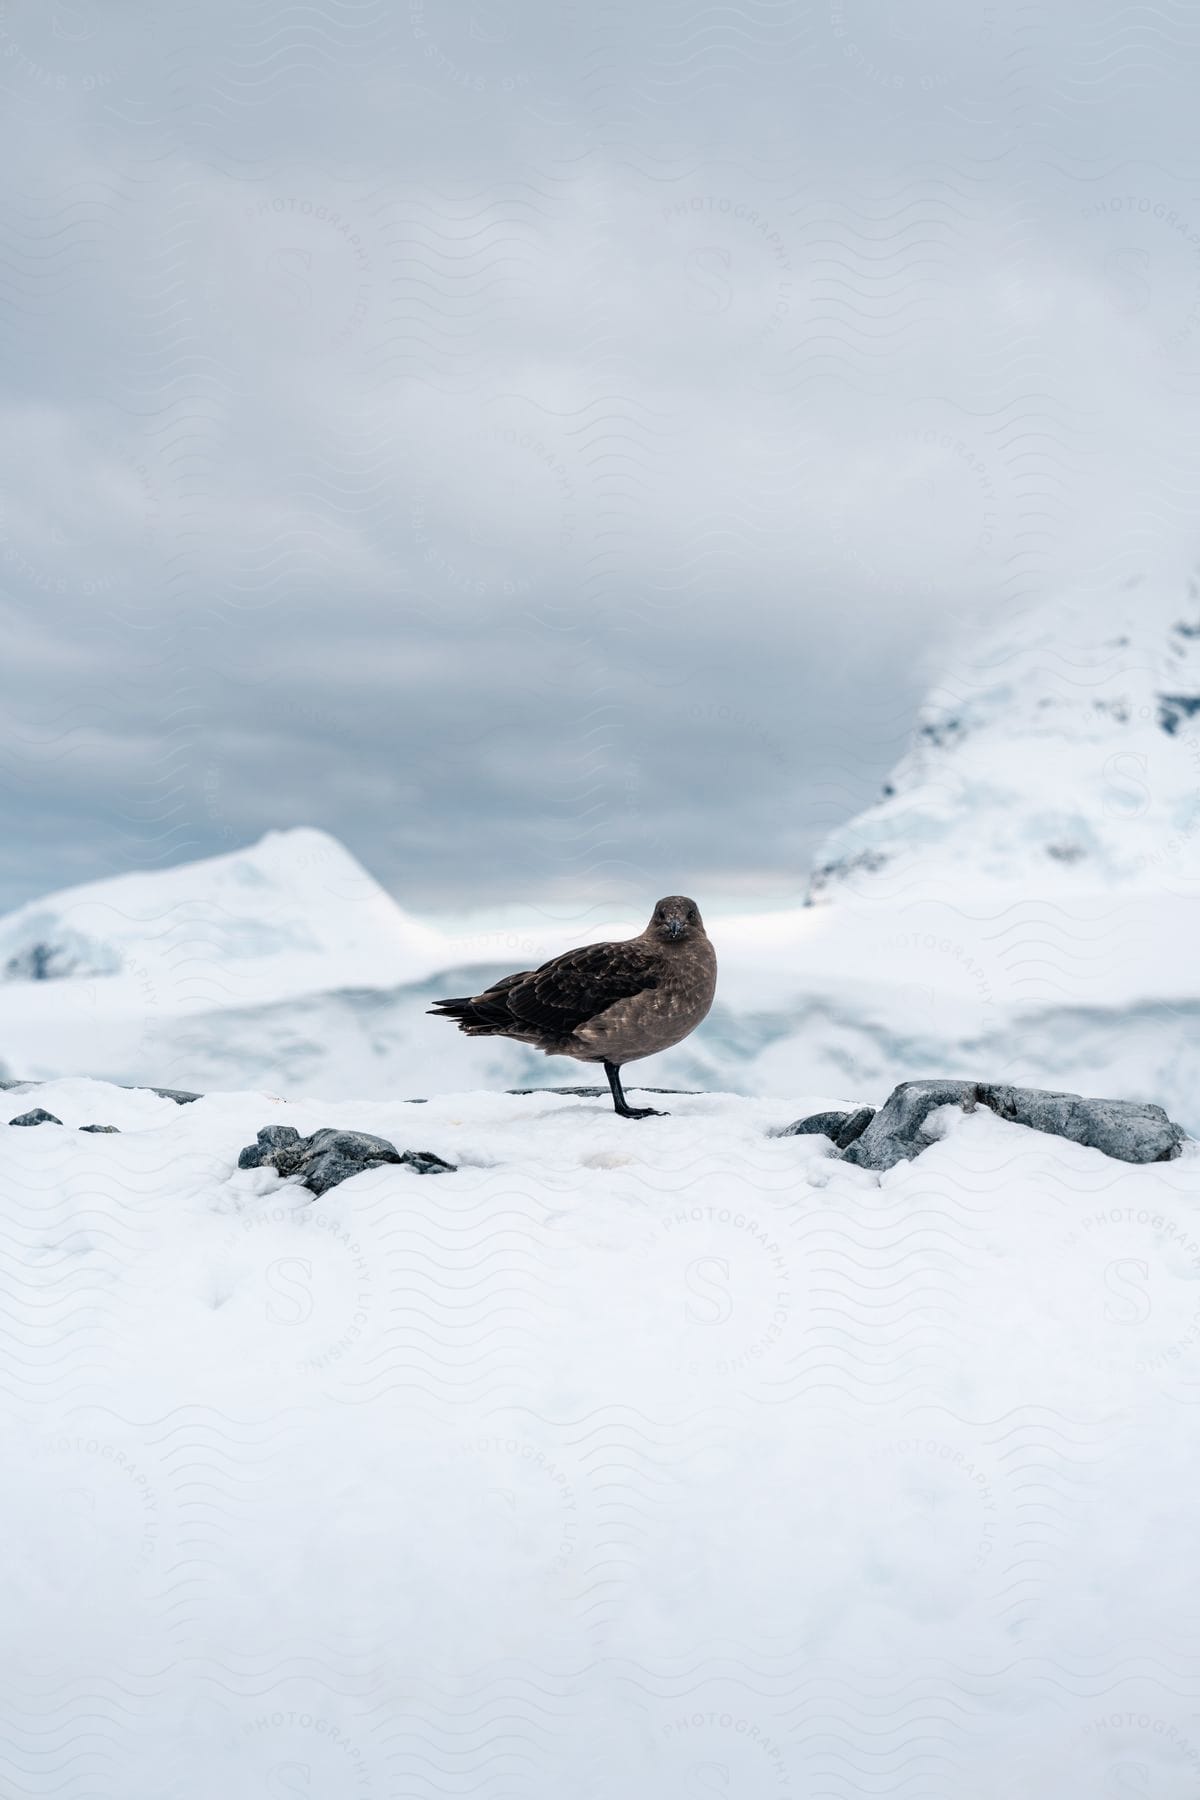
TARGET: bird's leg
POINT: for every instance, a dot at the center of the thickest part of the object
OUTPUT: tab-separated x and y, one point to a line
613	1071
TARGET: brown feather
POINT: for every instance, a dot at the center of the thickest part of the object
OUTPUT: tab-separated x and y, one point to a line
612	1002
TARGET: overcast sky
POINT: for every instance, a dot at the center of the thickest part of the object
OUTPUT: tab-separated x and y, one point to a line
551	447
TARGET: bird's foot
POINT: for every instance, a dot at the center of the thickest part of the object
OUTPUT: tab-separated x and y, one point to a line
641	1112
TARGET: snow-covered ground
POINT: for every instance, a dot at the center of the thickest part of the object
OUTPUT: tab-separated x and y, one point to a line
634	1461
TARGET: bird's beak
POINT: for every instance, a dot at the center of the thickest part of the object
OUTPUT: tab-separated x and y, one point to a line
674	927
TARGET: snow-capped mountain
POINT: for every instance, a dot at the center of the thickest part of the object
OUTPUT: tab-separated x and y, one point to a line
122	976
292	914
1061	754
1024	896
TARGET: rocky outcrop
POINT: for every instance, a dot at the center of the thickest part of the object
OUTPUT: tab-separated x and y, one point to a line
842	1127
113	1128
1129	1130
329	1157
50	951
39	1116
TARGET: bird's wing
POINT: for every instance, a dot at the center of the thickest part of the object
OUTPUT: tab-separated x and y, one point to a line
570	989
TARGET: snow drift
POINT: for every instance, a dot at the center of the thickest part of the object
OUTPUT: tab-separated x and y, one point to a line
646	1461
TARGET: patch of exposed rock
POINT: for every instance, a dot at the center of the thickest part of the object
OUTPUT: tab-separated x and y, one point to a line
1131	1131
39	1116
329	1157
842	1127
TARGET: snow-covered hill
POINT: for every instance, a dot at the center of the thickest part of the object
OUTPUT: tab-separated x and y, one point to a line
629	1461
292	914
1060	755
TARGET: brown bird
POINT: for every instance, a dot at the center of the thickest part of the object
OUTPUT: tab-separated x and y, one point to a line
605	1003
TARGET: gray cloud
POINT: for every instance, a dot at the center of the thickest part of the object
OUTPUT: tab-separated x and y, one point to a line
552	450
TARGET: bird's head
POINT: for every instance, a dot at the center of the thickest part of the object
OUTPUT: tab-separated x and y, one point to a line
675	918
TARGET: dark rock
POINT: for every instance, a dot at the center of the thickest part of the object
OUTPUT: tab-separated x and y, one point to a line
842	1127
941	732
599	1093
329	1157
39	1116
38	962
115	1128
863	862
854	1127
1128	1130
826	1124
55	952
1174	709
426	1163
271	1138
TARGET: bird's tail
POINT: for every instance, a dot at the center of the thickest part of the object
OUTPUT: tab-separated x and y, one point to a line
482	1015
474	1016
